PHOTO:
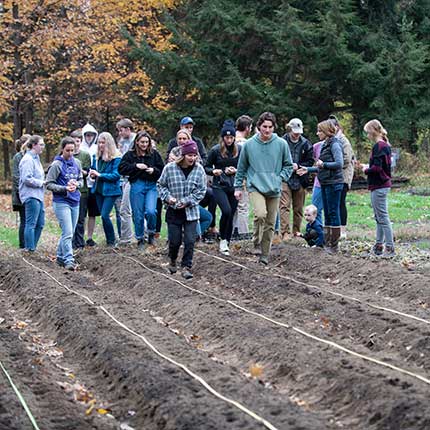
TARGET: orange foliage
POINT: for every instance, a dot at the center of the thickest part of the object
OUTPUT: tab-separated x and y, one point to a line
68	59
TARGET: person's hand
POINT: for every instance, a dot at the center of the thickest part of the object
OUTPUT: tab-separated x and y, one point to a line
180	205
320	163
71	186
302	171
364	167
141	166
150	170
230	170
238	194
217	172
297	234
94	174
295	166
171	200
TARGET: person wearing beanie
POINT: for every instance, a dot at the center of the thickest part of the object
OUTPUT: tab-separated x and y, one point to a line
187	124
265	162
181	186
222	165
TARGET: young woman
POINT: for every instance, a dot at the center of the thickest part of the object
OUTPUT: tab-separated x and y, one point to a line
143	166
107	186
181	187
17	205
329	167
31	191
222	165
64	180
378	173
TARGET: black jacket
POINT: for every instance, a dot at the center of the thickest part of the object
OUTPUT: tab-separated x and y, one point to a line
216	161
127	166
301	154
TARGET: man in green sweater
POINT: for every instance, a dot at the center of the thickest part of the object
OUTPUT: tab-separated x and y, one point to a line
265	161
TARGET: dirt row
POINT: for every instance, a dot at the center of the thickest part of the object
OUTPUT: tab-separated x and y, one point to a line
288	379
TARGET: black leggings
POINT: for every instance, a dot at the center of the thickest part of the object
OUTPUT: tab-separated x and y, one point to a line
228	204
209	202
343	211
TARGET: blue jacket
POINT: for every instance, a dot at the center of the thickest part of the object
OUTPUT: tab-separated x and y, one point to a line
110	179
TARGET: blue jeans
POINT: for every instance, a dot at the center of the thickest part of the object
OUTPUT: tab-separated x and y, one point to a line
331	202
143	200
205	221
318	202
105	204
384	231
67	218
34	222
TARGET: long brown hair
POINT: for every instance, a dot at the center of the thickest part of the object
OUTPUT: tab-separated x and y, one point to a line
139	136
223	148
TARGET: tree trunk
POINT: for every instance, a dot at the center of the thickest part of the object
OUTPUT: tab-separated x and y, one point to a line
6	163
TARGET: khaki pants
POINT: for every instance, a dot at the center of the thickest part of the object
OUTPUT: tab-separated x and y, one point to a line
265	211
296	198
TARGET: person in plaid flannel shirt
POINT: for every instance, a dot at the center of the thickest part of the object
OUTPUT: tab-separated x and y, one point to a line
181	186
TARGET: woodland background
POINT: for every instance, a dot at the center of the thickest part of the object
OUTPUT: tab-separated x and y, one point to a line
64	63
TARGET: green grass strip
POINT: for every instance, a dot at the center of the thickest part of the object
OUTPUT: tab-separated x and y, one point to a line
21	398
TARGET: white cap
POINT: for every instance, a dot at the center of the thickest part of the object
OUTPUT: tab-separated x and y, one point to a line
296	125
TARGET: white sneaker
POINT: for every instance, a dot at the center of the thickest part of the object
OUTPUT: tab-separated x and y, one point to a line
223	247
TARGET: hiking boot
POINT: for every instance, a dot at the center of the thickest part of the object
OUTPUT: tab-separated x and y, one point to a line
186	273
151	239
141	244
90	242
389	252
60	262
172	267
223	247
264	259
378	249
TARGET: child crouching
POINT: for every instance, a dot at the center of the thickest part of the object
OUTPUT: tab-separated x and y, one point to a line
314	235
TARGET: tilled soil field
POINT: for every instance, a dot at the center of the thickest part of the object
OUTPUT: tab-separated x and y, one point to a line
311	341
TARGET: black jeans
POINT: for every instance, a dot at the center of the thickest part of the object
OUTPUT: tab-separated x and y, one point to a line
228	205
343	211
175	240
78	236
210	202
159	211
21	212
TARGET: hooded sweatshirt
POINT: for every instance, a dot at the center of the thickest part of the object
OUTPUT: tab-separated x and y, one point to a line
59	174
264	165
92	147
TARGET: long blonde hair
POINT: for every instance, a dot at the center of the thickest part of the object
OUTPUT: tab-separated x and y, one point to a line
111	151
374	127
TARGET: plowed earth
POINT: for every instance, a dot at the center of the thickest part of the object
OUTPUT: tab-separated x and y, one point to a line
267	338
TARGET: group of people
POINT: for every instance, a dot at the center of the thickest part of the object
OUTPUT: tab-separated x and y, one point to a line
93	174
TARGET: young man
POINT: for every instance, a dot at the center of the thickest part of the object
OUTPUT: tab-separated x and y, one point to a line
89	144
294	191
240	221
126	143
265	161
85	159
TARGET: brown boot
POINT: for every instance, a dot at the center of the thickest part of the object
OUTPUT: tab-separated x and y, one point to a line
327	237
334	243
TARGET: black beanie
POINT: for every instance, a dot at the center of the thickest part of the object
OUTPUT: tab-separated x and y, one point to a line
228	128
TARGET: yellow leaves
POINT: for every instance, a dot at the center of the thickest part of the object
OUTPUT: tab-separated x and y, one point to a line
256	370
20	325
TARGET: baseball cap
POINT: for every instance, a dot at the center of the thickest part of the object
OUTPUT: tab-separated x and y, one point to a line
296	125
186	120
